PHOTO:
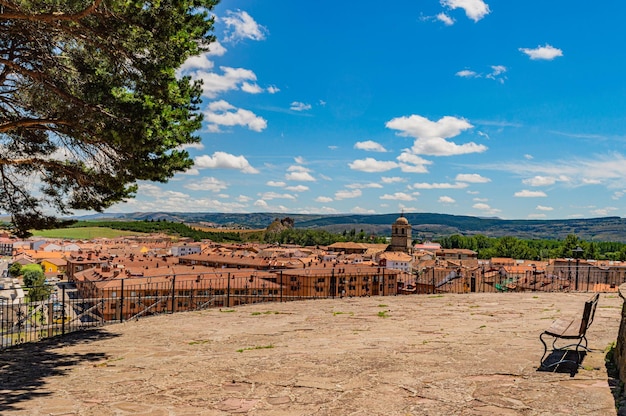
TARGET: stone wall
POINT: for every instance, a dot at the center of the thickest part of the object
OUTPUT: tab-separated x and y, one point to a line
620	347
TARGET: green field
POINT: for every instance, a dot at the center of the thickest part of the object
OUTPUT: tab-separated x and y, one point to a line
83	233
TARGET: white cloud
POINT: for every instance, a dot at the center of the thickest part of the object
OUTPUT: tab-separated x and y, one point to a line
207	184
398	196
618	194
196	146
300	176
297	188
474	9
364	185
221	113
603	212
214	84
372	165
447	20
323	199
608	170
277	184
497	72
272	89
466	73
196	62
359	210
251	88
370	146
202	61
299	173
446	200
546	52
430	137
345	194
486	209
540	181
392	179
300	160
411	163
529	194
222	160
260	203
268	196
298	106
471	178
240	25
243	198
537	216
543	208
424	185
191	172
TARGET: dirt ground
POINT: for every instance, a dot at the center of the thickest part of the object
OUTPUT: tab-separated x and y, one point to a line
473	354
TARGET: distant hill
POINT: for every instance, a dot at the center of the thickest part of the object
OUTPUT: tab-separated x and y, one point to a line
425	225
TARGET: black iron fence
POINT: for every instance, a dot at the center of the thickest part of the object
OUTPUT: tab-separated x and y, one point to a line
64	307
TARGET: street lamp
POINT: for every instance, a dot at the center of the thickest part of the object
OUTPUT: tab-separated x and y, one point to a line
578	251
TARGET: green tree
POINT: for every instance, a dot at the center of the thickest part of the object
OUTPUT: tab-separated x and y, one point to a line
35	280
90	102
15	270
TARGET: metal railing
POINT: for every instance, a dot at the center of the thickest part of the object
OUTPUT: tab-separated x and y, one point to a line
65	307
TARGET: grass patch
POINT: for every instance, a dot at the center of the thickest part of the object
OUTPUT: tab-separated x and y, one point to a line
335	313
382	305
383	314
435	296
227	310
258	347
83	233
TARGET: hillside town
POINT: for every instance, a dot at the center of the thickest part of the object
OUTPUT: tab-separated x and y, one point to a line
102	264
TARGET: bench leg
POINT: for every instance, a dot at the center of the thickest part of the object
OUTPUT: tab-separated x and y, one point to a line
545	350
565	349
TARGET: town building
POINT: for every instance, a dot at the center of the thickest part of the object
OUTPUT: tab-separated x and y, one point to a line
401	239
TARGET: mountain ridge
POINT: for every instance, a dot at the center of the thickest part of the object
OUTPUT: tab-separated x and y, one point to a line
425	225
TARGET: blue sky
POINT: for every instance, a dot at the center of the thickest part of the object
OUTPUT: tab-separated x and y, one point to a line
510	109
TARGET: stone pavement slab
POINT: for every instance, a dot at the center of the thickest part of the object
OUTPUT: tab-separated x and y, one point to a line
471	354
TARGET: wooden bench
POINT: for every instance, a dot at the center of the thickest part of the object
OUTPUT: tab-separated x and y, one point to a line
570	329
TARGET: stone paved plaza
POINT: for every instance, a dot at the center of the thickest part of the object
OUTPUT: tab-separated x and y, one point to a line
473	354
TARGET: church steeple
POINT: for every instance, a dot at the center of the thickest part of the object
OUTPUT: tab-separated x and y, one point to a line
401	235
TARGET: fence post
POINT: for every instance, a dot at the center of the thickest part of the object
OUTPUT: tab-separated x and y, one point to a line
383	281
173	293
228	291
281	286
122	301
433	277
63	310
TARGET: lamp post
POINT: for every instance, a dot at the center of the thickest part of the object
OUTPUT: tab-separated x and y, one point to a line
578	251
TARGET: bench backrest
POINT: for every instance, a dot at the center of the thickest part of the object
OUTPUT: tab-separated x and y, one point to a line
589	313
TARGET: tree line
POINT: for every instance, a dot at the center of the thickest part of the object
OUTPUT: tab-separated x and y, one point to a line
570	247
485	247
